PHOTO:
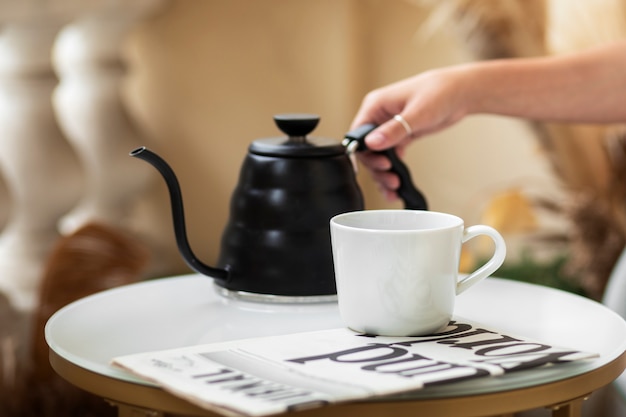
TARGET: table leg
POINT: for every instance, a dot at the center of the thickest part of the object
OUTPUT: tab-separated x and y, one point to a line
125	410
570	409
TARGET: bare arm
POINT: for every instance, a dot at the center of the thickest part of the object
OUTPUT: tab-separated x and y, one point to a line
585	87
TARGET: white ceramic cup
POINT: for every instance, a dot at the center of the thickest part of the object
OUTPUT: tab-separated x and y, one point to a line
397	270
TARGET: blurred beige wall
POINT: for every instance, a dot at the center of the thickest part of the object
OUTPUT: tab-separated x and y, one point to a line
207	76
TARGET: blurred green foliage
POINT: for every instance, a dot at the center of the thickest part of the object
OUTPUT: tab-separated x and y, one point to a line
551	273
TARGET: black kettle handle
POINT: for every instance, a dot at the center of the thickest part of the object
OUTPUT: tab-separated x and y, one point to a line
408	192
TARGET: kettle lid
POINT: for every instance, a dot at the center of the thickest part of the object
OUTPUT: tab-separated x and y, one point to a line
297	126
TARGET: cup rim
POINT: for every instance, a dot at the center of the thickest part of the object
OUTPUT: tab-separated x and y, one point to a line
336	220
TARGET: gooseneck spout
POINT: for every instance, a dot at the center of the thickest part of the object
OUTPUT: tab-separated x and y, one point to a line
178	214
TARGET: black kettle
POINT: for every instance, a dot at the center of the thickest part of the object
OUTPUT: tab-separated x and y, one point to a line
276	245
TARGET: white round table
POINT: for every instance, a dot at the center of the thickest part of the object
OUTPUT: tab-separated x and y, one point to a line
181	311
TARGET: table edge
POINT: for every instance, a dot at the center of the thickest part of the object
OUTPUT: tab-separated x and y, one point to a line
542	395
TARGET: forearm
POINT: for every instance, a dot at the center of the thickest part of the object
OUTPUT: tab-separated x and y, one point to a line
587	87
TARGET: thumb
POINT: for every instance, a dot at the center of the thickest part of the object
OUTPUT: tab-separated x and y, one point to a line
388	134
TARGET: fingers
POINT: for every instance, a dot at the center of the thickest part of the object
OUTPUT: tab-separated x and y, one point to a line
374	162
390	134
387	184
388	181
380	107
378	165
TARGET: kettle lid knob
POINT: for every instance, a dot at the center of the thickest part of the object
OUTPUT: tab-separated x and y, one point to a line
296	124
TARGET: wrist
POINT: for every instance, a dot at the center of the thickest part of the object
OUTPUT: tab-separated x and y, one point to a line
474	87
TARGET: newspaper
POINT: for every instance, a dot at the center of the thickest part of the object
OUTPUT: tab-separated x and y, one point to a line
270	375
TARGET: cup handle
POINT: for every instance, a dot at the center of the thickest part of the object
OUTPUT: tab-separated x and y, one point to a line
492	264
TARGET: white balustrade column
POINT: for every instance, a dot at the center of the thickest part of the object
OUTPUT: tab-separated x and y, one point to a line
89	105
38	166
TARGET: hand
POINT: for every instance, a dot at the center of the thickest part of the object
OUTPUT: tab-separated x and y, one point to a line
428	102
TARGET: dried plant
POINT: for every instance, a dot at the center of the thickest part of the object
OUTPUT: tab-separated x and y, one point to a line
491	29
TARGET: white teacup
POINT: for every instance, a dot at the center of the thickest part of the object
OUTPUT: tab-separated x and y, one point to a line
397	270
